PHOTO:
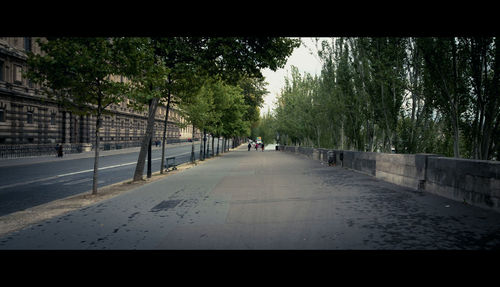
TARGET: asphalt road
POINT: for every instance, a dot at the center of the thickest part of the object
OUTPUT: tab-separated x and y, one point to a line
267	200
26	183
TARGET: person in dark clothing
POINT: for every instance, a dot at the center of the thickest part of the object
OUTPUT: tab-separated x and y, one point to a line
60	151
249	146
256	146
262	146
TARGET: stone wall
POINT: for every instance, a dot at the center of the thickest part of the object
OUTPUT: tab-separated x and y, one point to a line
475	182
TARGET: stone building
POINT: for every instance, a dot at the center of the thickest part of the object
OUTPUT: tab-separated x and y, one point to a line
31	124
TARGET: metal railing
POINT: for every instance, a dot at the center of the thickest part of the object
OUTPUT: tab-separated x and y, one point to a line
27	150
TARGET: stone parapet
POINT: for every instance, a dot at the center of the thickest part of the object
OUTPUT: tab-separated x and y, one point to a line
475	182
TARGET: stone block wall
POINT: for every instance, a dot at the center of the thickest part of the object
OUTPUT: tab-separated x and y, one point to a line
402	169
475	182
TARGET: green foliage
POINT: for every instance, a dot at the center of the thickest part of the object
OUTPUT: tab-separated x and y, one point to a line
266	129
218	108
79	74
76	72
228	87
410	95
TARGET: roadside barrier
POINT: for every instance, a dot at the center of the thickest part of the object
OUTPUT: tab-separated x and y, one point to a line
475	182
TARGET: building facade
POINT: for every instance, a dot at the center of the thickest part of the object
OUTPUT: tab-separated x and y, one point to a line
32	124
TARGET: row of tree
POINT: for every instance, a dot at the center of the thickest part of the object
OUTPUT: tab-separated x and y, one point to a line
404	95
216	82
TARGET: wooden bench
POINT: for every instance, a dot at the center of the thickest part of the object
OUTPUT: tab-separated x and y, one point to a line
171	163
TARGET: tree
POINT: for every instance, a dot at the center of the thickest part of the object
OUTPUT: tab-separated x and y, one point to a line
229	58
78	73
446	80
148	74
430	95
197	108
481	116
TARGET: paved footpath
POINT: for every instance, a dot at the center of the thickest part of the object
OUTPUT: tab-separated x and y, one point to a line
267	200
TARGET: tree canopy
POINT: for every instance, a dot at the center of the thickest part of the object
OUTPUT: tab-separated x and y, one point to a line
404	95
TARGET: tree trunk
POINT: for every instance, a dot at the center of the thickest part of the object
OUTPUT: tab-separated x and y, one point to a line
204	143
192	146
149	157
213	145
201	148
454	101
318	132
207	154
342	135
384	108
218	145
164	135
456	137
139	169
96	157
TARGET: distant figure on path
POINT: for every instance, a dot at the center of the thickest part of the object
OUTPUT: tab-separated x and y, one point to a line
332	160
262	145
60	151
256	146
249	146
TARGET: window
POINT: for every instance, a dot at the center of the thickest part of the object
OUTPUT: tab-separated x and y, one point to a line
2	115
1	71
30	118
53	118
27	44
18	78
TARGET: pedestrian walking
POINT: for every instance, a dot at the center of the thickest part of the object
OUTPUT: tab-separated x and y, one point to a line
262	146
256	146
249	146
60	151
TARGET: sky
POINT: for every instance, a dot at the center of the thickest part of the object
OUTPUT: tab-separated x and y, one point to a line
302	59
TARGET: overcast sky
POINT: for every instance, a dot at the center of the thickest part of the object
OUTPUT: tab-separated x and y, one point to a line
302	59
